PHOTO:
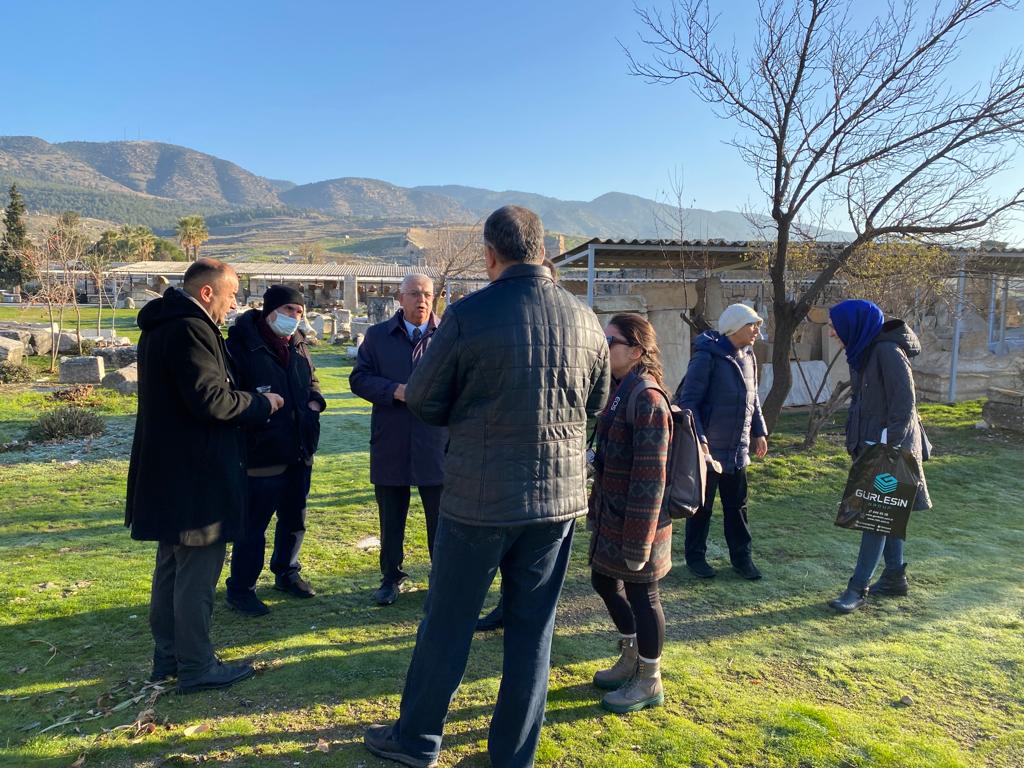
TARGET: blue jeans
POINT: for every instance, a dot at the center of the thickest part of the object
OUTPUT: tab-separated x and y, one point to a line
872	548
286	495
533	560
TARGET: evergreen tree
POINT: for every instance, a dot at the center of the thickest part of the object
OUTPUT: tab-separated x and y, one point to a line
14	268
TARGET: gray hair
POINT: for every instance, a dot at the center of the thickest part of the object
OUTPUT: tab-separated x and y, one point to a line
412	277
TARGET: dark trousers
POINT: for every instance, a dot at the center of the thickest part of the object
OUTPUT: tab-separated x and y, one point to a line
732	488
635	608
393	508
286	495
533	560
181	607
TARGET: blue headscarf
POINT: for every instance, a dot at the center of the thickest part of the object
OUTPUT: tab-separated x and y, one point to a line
857	323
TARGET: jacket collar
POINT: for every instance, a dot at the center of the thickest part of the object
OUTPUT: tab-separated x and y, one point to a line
398	321
524	270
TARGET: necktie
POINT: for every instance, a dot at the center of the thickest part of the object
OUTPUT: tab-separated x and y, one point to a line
417	334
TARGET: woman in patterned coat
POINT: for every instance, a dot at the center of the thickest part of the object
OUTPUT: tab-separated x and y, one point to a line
631	548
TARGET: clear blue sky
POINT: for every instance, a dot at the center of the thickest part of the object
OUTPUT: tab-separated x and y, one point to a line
527	95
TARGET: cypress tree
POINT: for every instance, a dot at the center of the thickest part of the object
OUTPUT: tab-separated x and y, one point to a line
14	269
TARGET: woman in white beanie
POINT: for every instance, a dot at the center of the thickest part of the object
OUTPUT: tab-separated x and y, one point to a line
720	389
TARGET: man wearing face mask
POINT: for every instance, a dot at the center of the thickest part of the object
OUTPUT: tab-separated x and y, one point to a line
403	450
269	354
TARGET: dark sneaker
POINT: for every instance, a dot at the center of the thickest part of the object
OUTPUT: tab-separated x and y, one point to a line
248	604
386	593
492	621
220	676
378	739
849	601
295	585
701	569
747	569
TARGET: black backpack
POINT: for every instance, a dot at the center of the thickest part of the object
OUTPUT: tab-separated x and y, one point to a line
686	474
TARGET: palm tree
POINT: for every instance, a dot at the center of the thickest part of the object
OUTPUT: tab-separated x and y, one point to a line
139	241
192	233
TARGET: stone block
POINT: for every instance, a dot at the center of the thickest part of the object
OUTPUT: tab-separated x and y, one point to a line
67	343
381	308
81	370
1006	396
18	334
124	380
11	351
800	393
118	357
359	328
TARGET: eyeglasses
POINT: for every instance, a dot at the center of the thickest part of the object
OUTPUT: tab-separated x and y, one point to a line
613	340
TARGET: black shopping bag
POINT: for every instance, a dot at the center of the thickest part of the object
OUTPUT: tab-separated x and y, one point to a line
880	491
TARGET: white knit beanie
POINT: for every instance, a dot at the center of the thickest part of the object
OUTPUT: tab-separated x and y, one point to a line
735	317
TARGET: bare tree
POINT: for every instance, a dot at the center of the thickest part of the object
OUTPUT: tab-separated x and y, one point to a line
670	224
454	252
858	123
55	264
311	253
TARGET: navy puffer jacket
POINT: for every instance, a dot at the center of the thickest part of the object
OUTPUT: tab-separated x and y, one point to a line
721	390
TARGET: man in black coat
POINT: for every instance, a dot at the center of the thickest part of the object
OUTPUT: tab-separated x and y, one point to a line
186	479
403	450
269	354
514	371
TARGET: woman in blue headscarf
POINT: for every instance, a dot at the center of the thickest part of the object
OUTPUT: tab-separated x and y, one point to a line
882	410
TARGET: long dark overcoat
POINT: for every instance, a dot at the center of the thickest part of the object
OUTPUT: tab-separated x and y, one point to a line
187	467
403	450
883	398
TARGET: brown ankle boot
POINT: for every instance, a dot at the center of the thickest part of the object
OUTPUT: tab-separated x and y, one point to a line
622	670
644	690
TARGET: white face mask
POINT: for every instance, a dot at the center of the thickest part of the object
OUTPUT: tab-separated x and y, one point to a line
284	325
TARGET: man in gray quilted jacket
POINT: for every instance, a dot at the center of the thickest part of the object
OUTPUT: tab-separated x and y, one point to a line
513	371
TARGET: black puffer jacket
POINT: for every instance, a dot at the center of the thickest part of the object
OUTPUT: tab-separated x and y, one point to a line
293	432
513	372
187	468
883	398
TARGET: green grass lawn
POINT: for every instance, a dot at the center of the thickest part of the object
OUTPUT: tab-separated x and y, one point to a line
756	674
124	319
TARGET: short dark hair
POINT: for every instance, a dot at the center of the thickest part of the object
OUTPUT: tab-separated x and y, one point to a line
205	272
516	234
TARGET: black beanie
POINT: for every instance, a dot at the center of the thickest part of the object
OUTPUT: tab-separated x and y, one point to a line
279	295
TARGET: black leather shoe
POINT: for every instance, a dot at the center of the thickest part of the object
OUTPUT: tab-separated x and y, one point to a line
220	676
701	569
295	585
379	741
747	569
492	621
892	583
386	593
850	600
248	604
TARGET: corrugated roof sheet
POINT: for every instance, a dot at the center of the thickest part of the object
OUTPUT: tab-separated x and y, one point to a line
307	271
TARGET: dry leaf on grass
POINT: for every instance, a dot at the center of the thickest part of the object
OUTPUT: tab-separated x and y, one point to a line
78	763
192	730
323	746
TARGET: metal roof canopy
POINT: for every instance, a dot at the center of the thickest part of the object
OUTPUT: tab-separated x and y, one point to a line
385	272
724	255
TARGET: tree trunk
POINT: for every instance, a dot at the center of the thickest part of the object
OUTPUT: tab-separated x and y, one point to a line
782	377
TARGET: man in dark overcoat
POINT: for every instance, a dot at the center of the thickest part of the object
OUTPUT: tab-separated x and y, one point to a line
186	478
404	452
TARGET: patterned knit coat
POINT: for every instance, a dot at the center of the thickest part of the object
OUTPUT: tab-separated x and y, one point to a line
625	513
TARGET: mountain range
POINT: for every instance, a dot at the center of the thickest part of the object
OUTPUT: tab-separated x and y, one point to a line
145	182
